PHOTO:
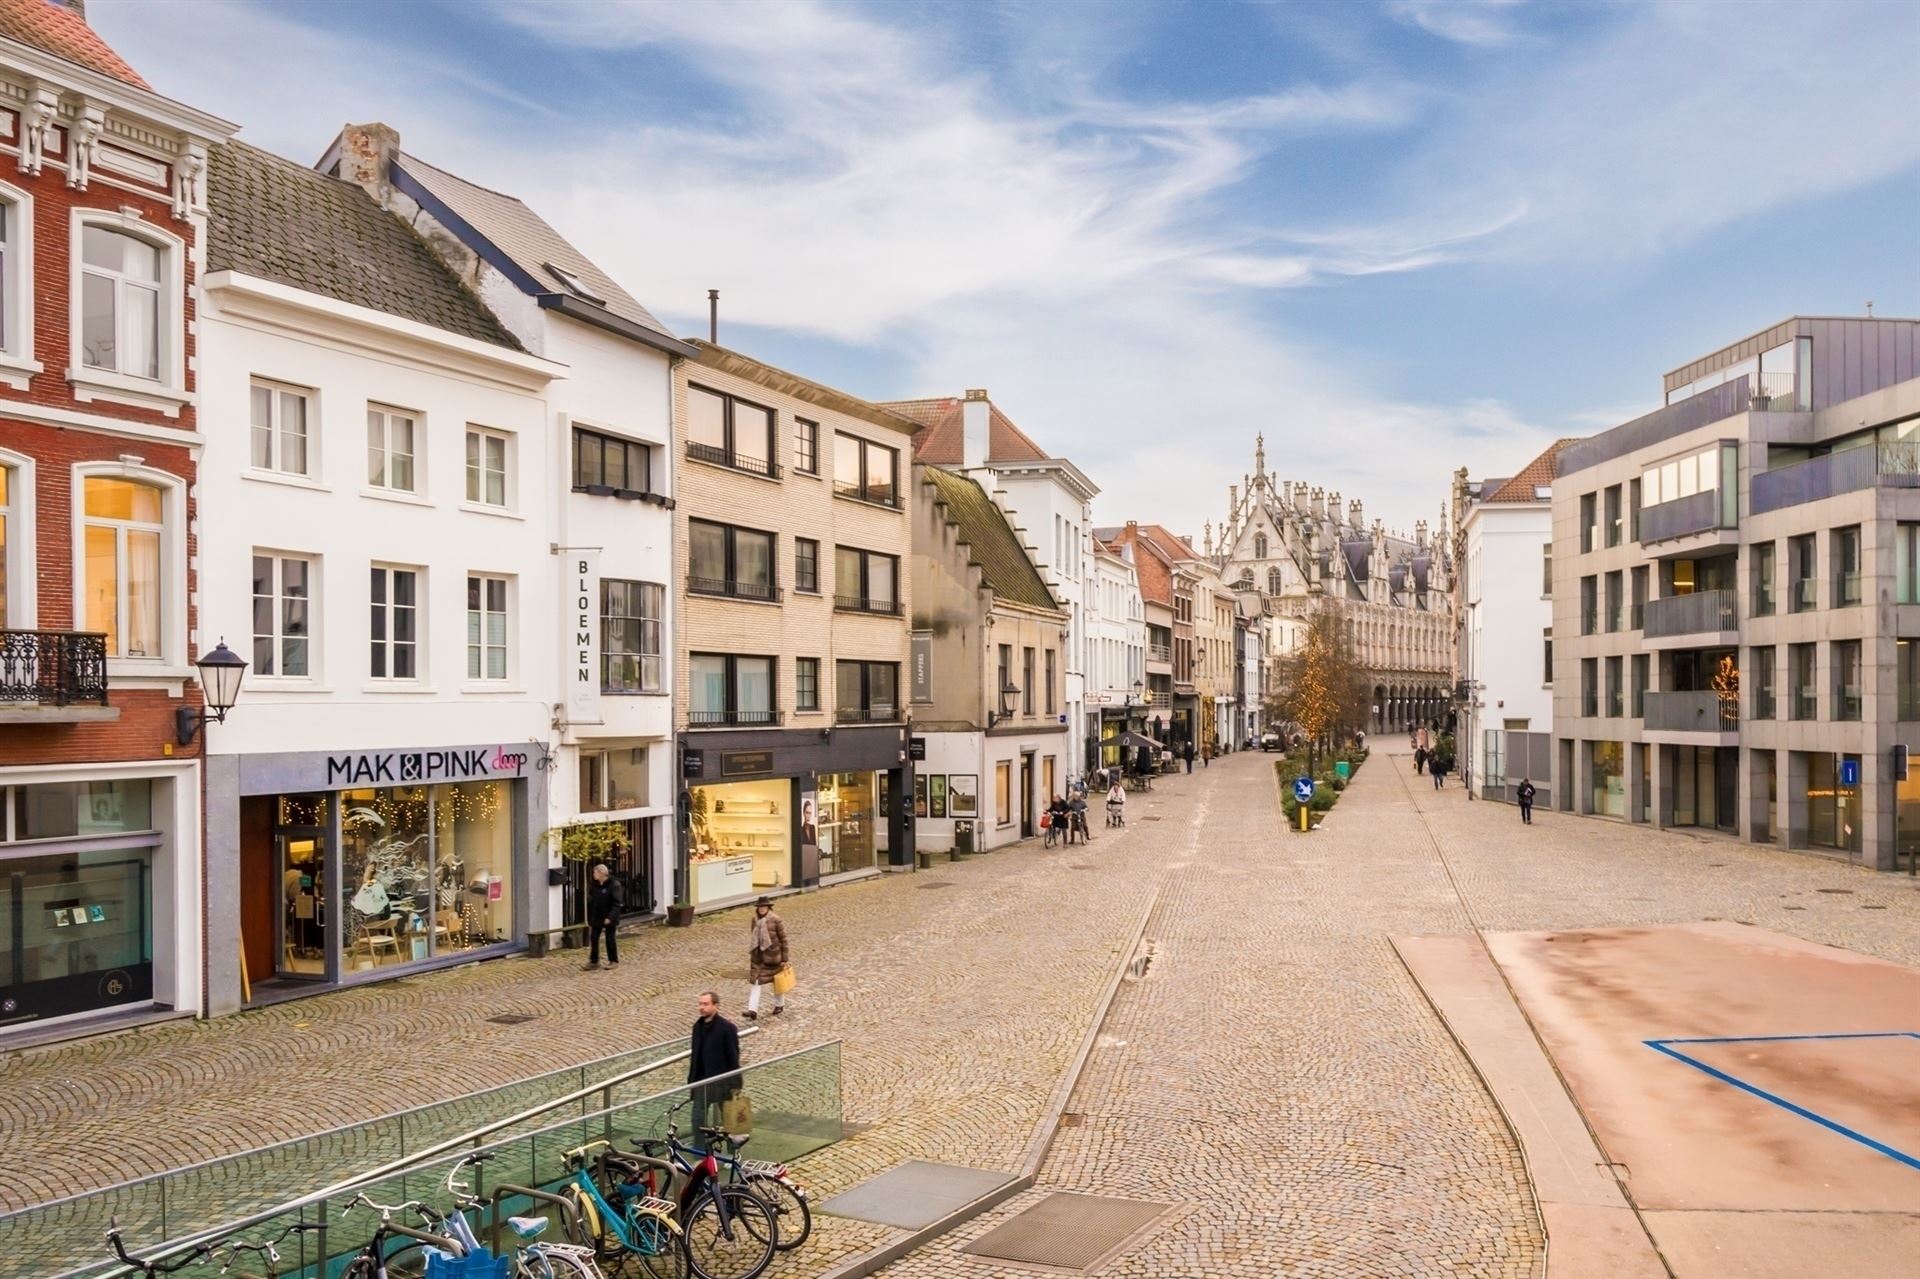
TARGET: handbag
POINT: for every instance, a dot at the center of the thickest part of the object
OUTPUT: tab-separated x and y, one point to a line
1046	820
736	1113
783	980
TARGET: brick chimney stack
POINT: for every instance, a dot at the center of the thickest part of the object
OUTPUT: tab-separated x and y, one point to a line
366	158
78	8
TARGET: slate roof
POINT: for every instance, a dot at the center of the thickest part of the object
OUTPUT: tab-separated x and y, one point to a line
1359	552
1536	475
282	221
530	242
942	442
56	29
991	541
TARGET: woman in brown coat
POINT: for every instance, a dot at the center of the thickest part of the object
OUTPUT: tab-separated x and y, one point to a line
766	956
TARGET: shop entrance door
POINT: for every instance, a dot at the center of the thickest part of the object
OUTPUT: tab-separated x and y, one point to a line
1026	796
302	863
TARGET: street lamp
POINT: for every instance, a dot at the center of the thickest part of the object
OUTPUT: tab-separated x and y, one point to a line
220	673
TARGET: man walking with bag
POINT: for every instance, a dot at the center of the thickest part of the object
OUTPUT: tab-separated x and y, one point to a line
714	1051
767	959
605	899
1526	793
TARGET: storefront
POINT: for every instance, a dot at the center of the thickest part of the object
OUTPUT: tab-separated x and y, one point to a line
359	865
98	908
765	811
1833	802
1608	792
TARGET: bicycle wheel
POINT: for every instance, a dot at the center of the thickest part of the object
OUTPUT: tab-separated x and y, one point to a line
589	1228
720	1242
408	1261
790	1211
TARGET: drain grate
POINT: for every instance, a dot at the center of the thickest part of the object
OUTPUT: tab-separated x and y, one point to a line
939	883
1071	1119
1147	819
1071	1232
513	1019
1848	891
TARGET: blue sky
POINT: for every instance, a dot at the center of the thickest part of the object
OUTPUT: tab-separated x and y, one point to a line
1397	237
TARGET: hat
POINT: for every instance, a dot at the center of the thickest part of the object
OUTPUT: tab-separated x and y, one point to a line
764	901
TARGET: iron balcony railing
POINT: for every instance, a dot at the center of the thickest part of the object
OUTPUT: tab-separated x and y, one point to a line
1691	614
735	461
53	668
729	589
1887	464
1159	652
1696	711
860	604
867	714
733	719
877	497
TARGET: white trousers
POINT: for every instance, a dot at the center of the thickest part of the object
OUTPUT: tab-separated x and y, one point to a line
753	997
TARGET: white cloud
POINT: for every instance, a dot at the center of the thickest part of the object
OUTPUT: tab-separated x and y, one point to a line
1475	22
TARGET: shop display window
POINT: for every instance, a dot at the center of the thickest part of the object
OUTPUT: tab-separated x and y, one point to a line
425	871
849	812
62	810
741	839
76	930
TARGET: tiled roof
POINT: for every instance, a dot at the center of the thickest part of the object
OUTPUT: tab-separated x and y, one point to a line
1169	544
991	541
942	441
58	30
1151	565
1536	475
526	238
282	221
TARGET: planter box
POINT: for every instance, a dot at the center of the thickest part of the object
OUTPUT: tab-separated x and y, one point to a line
680	916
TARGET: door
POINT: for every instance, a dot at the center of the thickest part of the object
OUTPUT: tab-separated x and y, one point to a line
1026	796
260	891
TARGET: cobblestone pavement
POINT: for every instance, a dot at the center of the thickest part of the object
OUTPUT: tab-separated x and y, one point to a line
1279	1071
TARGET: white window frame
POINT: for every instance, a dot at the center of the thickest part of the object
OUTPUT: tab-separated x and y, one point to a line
276	390
17	364
169	392
420	587
171	664
19	610
279	675
471	502
385	489
505	646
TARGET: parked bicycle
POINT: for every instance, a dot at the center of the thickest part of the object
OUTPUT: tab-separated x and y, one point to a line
153	1269
729	1231
772	1183
267	1250
532	1257
380	1260
626	1219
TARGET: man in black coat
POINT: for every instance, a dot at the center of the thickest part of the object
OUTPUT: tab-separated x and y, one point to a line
605	899
715	1052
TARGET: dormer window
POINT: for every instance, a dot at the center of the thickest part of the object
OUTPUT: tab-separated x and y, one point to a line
572	284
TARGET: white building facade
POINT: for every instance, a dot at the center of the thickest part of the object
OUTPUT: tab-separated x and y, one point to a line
1116	630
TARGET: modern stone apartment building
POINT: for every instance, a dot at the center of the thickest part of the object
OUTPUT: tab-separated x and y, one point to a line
1737	597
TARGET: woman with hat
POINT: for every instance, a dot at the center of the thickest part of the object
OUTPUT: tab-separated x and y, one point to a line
766	956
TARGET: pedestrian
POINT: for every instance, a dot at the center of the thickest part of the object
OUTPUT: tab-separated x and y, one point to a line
605	898
1077	817
1438	767
766	956
1206	756
1189	755
1419	759
1526	794
1116	804
1056	820
714	1052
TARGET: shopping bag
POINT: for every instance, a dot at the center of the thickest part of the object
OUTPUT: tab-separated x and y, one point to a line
1046	820
783	980
736	1113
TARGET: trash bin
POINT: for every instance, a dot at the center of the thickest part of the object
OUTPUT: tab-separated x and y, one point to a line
962	838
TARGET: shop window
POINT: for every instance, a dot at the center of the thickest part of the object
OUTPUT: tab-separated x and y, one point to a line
806	446
631	614
730	561
1833	807
731	432
613	779
394	623
865	470
740	839
1609	792
850	821
867	692
62	810
1003	793
486	627
806	683
282	625
865	581
727	689
425	870
280	415
393	450
488	456
607	464
71	919
806	565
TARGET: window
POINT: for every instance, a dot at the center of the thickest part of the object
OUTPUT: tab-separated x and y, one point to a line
631	614
1546	644
1845	548
486	626
1259	546
1614	525
282	627
1764	682
1005	670
1639	620
614	779
1800	672
1907	675
1026	681
607	464
1590	686
806	683
1589	607
1546	570
1641	677
728	689
1906	546
806	446
280	428
125	578
392	451
1052	661
1760	589
395	623
486	467
1615	704
12	540
1614	605
866	470
865	581
1846	679
806	565
1003	792
1633	509
16	276
730	432
1589	521
1273	581
867	692
1800	568
120	311
724	560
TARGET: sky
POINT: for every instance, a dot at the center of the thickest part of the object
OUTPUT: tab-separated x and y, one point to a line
1395	237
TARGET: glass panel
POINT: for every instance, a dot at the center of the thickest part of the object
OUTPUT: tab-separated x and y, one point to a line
142	356
122	500
139	260
707	683
62	810
263	645
883	680
707	551
706	418
293	433
880	581
376	448
143	594
847	684
101	247
388	879
473	466
846	463
752	431
97	326
881	465
262	427
293	615
753	558
496	451
846	572
473	865
754	680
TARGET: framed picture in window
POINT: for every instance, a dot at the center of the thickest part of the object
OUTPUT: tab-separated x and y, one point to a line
963	795
937	795
920	795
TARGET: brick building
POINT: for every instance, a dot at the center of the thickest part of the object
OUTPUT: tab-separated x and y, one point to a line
101	212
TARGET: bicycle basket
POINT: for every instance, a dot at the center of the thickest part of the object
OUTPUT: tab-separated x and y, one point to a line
475	1265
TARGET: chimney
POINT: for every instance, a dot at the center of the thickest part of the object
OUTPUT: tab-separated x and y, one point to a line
78	8
974	415
713	316
1356	514
1420	534
366	158
1334	512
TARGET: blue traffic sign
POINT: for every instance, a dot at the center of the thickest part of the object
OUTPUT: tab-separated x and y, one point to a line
1303	789
1849	772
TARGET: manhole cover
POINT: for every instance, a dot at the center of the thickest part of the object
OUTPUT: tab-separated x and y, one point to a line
914	1194
1071	1232
1071	1119
939	883
1079	866
1149	819
512	1019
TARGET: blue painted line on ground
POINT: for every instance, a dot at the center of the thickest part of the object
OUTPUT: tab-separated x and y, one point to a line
1881	1147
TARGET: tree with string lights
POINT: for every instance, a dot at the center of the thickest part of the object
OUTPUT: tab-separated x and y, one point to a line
1319	687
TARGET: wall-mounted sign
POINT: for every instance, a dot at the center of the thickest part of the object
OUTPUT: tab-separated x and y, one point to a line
692	763
580	637
920	667
399	768
734	763
916	748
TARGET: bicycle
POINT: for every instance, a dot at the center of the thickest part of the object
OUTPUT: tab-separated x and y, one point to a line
268	1250
771	1183
532	1257
627	1220
409	1260
730	1232
153	1269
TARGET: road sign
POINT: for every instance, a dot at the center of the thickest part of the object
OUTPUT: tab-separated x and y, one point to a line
1303	789
1849	772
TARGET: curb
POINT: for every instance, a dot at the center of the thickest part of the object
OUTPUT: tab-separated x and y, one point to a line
1044	1132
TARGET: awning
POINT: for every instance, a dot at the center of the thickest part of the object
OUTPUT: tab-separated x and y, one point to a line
1135	741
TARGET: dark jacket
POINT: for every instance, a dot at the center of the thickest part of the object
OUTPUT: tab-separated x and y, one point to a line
605	901
1189	753
1527	792
716	1049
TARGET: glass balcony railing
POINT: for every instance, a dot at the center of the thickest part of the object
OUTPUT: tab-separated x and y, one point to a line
1700	711
1887	464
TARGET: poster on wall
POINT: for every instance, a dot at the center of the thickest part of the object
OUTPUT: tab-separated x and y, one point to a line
937	795
920	796
809	822
963	795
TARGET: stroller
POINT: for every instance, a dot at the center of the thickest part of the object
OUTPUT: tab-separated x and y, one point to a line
1116	812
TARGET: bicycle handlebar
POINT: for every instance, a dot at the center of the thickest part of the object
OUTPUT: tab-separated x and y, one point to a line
385	1210
199	1252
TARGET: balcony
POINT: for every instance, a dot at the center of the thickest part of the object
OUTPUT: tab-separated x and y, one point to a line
1701	613
1890	464
57	676
867	715
733	719
1700	711
717	456
1159	652
762	592
860	604
871	495
1682	517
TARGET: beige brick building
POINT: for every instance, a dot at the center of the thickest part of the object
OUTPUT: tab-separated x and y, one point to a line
791	544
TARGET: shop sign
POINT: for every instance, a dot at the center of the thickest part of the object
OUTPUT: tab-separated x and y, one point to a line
734	763
692	764
580	634
398	768
917	748
920	666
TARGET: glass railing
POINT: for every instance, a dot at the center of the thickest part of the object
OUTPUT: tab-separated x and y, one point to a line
797	1109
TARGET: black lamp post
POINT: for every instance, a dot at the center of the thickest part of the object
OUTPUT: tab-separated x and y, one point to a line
220	673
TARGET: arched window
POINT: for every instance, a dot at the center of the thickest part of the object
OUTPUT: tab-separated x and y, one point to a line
1273	581
1259	546
130	563
1246	576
